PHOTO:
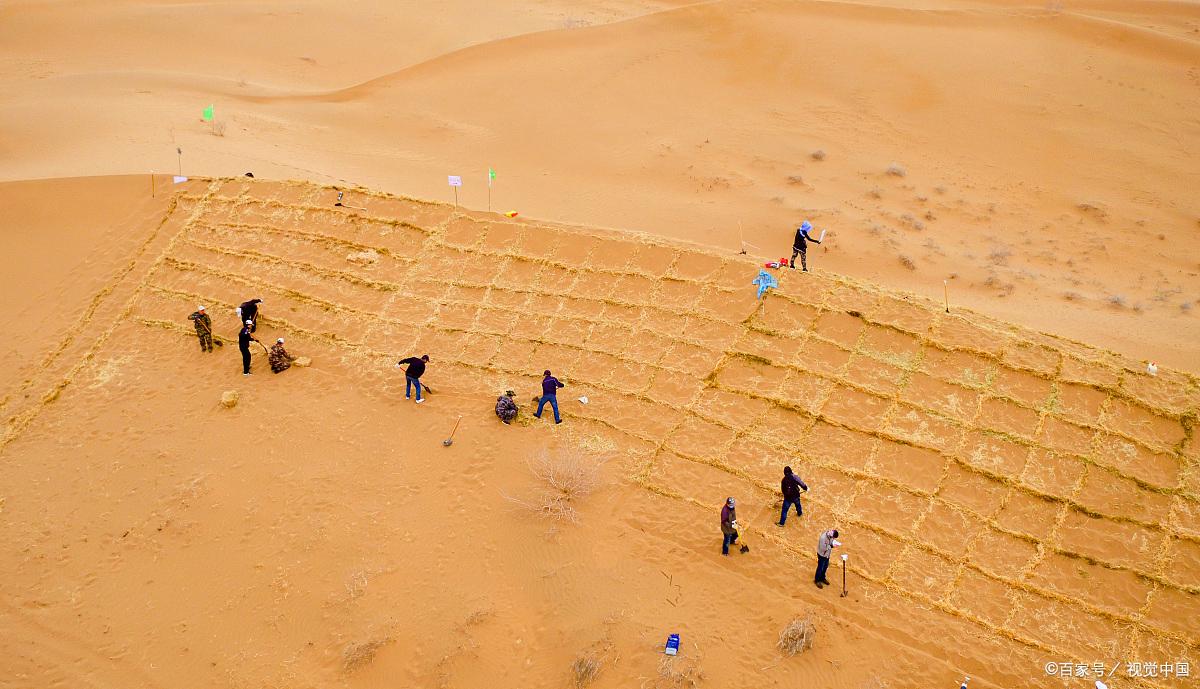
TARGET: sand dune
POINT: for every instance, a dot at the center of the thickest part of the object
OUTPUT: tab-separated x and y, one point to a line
1012	486
1047	149
1025	496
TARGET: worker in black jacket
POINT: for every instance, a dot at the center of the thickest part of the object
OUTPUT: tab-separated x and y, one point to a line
800	244
412	374
791	486
244	340
248	311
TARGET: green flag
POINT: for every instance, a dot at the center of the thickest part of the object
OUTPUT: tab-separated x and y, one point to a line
491	176
208	114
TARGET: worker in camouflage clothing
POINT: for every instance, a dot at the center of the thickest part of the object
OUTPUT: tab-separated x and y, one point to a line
203	325
279	359
506	408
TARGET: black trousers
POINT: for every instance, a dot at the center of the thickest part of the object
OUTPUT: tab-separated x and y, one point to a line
822	567
245	359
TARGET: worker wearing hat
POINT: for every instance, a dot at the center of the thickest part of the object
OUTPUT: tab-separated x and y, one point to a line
244	340
800	244
825	545
729	525
279	359
203	323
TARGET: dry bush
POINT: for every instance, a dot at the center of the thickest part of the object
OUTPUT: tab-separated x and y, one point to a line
798	636
1116	301
1072	296
568	476
360	653
999	255
912	221
585	670
907	262
218	128
818	154
896	170
795	179
676	672
875	193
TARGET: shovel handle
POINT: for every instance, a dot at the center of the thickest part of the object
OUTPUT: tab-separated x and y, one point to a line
455	429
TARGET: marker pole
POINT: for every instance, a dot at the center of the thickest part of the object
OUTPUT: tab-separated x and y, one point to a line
844	576
946	294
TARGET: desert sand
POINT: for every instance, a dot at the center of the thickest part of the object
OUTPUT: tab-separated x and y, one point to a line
1011	485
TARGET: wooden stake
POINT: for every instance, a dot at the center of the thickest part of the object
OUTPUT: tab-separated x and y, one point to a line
152	184
946	293
455	198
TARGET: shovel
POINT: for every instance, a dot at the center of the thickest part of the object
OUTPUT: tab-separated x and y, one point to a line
450	441
211	337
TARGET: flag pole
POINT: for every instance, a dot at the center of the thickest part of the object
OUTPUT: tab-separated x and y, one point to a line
491	177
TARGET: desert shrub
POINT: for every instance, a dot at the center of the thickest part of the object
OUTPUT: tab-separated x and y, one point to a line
818	154
907	262
797	636
566	476
678	672
585	670
896	170
360	653
999	255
